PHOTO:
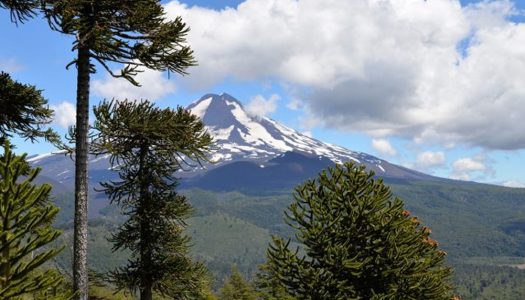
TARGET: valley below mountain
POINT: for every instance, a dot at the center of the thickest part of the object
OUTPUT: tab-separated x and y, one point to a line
240	198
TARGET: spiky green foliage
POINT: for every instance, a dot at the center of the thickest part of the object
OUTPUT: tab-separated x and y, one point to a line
130	32
20	10
25	218
24	111
147	146
237	288
357	241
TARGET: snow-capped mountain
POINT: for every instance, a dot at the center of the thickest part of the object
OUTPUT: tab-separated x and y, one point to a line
242	136
239	137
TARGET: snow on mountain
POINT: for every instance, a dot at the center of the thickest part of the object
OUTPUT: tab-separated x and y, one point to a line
242	136
238	137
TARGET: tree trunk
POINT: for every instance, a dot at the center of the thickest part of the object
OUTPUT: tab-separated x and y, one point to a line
80	276
146	284
145	293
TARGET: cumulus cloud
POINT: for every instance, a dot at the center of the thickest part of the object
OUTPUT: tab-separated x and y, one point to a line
514	184
384	147
429	159
65	114
423	70
10	65
261	107
464	168
154	85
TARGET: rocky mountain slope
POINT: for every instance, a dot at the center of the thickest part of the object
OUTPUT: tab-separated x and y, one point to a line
246	147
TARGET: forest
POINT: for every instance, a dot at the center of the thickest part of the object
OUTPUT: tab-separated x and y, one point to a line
343	234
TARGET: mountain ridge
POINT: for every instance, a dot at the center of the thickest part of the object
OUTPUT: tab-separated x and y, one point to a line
241	137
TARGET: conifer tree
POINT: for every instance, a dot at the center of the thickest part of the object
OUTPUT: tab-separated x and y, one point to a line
130	33
237	288
357	242
21	10
147	146
24	111
25	227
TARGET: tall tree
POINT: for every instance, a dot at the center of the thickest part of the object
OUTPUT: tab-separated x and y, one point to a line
357	242
21	10
24	111
147	146
237	288
133	33
25	227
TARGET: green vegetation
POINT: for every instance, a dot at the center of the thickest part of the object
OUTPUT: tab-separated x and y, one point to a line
134	34
489	282
25	227
145	145
221	241
250	220
236	288
357	242
24	111
469	219
20	10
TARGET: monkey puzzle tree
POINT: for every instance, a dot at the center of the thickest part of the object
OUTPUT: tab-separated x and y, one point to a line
147	145
357	243
133	33
25	227
21	10
24	111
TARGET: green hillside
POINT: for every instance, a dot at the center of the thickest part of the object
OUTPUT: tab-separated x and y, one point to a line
482	227
222	240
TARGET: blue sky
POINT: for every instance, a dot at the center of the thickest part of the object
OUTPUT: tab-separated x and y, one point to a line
433	85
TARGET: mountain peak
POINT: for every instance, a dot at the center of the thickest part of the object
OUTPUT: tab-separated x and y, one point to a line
220	111
239	135
241	139
200	106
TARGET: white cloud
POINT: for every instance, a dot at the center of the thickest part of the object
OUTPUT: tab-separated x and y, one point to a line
65	114
464	168
383	147
295	104
154	85
10	65
514	184
468	164
424	70
309	121
260	106
429	159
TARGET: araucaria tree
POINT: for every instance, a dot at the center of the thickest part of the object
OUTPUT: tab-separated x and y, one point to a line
24	111
357	242
132	33
25	227
147	146
20	10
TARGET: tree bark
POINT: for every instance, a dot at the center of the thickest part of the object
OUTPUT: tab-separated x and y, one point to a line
80	276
